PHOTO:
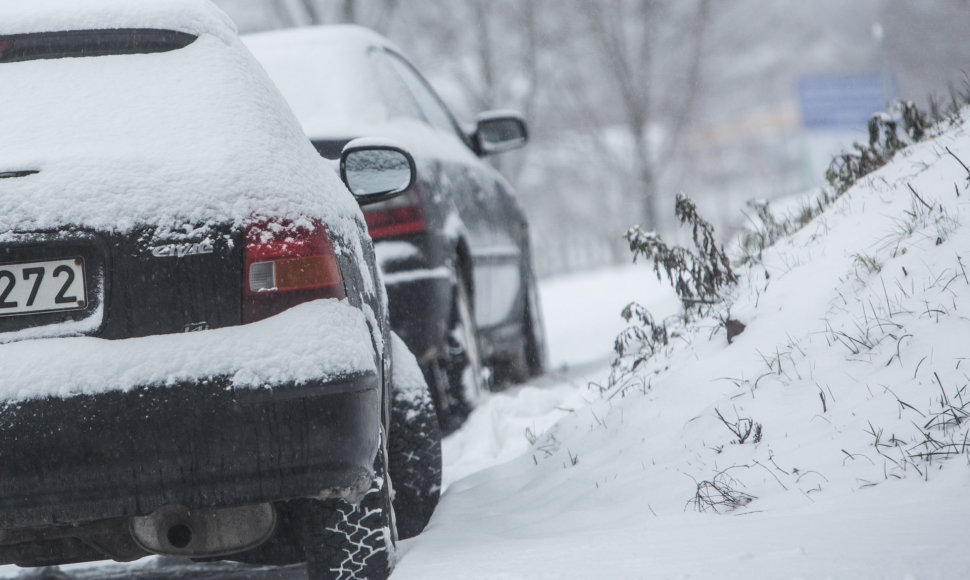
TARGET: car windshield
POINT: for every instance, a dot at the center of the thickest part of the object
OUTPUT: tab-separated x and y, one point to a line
85	43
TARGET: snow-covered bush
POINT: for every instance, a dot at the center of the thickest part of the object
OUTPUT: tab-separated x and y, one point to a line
884	142
697	276
700	277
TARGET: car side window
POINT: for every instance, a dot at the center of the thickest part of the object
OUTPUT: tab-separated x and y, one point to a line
431	107
397	96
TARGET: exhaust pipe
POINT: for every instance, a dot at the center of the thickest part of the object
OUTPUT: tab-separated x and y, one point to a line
178	531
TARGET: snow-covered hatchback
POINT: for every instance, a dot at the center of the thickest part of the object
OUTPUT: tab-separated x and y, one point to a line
194	349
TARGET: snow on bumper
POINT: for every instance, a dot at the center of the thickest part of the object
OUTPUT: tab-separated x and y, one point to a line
135	425
318	340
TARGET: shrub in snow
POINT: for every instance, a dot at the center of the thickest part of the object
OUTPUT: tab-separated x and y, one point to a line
699	276
884	142
767	227
720	493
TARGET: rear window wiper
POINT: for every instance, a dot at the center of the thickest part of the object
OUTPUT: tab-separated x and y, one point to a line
83	43
23	173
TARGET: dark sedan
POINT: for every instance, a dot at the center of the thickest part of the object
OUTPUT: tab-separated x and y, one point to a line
195	350
454	249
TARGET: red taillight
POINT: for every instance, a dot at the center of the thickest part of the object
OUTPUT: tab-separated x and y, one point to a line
286	265
395	217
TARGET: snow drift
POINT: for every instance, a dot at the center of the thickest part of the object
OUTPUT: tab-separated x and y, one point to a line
828	440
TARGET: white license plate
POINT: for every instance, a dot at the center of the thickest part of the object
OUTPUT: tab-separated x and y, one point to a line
32	287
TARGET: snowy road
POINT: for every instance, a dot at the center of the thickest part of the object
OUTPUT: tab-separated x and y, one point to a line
582	318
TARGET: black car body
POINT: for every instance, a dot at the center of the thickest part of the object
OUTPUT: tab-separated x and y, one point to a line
454	250
192	324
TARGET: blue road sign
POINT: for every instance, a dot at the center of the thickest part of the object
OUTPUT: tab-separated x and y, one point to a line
842	101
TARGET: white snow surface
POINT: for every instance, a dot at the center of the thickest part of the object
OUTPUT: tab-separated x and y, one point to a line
853	362
192	16
190	136
394	251
329	78
407	380
319	339
582	313
325	74
407	377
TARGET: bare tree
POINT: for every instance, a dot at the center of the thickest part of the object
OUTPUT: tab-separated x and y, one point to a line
376	14
312	12
494	49
641	46
348	11
506	51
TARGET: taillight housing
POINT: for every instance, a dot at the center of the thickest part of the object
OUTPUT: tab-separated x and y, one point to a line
286	264
395	217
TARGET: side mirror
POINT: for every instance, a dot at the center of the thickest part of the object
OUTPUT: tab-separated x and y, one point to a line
499	131
376	170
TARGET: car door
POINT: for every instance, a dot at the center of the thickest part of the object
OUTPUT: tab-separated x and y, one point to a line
479	199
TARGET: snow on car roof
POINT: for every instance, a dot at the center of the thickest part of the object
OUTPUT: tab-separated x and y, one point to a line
325	75
192	135
329	80
192	16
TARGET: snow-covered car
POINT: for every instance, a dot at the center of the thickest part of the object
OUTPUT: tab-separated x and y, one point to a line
195	354
455	248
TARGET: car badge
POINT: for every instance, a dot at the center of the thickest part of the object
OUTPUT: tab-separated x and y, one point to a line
183	250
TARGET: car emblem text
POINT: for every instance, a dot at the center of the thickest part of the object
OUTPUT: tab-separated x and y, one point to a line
182	250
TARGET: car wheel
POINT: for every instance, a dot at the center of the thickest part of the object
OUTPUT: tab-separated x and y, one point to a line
342	541
414	448
460	381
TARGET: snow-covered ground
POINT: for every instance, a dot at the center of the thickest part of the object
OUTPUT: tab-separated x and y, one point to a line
582	318
851	372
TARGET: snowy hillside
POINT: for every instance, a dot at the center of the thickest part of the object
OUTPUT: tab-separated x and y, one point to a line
829	440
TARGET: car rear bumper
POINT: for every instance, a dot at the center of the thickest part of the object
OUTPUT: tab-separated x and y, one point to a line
93	429
195	444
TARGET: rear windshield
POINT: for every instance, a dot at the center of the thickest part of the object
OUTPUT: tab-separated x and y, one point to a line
80	43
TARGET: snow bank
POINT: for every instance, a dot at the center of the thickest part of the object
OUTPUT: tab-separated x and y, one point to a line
852	376
582	313
320	339
849	352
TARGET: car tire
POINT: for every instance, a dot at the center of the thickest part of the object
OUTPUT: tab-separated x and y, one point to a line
342	541
414	448
459	377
